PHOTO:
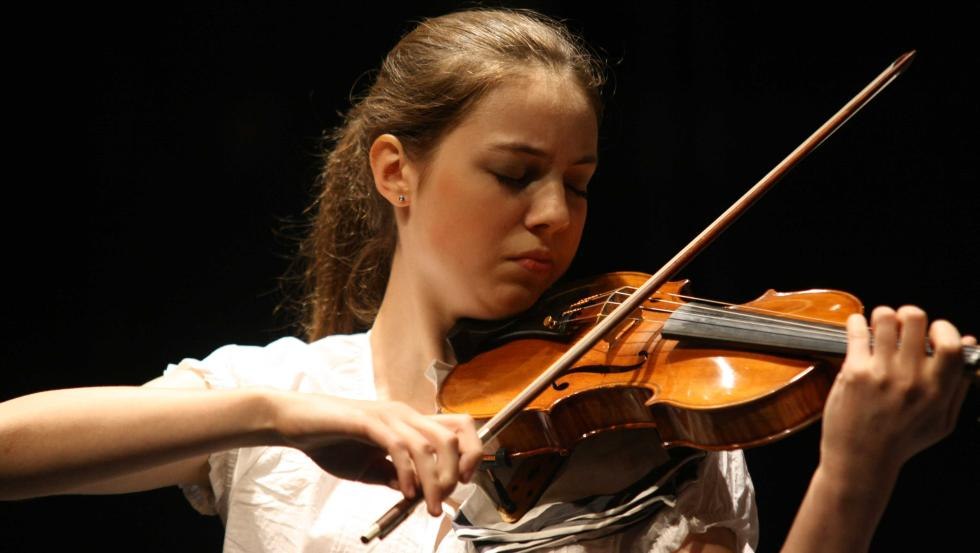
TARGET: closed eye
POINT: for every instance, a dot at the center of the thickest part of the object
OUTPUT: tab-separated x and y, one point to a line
580	192
527	178
515	182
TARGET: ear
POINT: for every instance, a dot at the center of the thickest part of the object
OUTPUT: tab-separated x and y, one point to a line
395	176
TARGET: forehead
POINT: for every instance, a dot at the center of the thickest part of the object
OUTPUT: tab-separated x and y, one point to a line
542	109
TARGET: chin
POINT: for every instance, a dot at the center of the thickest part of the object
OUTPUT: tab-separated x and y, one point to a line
507	302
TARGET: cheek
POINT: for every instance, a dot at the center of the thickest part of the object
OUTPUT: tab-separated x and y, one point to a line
463	225
448	227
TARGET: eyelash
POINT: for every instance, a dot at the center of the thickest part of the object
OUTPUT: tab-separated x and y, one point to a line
519	182
525	180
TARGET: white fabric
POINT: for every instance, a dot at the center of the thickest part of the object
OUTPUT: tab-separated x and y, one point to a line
276	499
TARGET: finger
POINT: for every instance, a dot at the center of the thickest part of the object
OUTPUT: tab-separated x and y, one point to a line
446	442
969	341
912	327
396	440
470	446
424	453
945	366
885	329
947	351
858	340
401	458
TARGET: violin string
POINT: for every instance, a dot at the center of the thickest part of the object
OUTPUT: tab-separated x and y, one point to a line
777	320
770	325
726	318
759	324
842	332
584	303
589	318
745	310
774	316
762	320
758	318
581	305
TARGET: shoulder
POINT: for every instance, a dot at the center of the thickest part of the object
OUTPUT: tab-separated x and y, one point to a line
287	363
342	347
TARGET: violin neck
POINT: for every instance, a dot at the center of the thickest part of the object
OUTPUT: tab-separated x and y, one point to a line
756	331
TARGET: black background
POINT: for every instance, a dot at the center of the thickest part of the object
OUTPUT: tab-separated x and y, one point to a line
161	156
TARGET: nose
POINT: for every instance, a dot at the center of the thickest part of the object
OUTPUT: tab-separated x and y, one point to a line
549	210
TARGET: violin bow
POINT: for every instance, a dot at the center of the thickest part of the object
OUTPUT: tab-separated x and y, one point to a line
390	520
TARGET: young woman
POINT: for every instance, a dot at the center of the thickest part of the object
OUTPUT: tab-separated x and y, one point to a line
456	188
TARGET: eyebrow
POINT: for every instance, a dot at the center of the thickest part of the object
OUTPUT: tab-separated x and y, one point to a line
537	152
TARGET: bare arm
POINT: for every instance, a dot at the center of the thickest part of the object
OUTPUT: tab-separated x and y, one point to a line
64	441
193	470
122	439
884	407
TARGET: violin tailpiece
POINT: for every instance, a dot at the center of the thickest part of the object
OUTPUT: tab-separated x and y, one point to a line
516	489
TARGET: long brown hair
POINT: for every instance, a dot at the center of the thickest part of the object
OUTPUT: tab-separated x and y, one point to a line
427	84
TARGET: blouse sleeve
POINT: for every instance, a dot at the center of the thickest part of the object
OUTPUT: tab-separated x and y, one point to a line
231	367
235	366
722	495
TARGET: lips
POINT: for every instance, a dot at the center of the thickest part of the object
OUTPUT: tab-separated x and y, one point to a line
536	261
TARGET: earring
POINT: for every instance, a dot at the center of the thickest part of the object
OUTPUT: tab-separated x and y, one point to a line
401	198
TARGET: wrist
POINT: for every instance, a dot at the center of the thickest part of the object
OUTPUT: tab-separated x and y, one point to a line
856	481
264	406
868	465
840	511
294	419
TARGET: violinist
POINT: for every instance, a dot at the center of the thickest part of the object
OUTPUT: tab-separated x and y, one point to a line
457	187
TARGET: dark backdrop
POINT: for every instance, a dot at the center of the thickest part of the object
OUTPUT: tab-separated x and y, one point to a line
162	155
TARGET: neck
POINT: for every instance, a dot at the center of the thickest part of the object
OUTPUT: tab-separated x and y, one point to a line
408	334
769	332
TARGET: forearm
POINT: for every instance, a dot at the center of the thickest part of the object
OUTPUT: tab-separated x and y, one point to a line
840	513
56	440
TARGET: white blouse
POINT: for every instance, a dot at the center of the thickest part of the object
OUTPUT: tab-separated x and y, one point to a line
277	499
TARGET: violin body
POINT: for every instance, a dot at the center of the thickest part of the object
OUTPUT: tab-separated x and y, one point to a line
699	390
694	394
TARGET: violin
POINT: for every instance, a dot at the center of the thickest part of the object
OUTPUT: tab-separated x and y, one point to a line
625	352
703	374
